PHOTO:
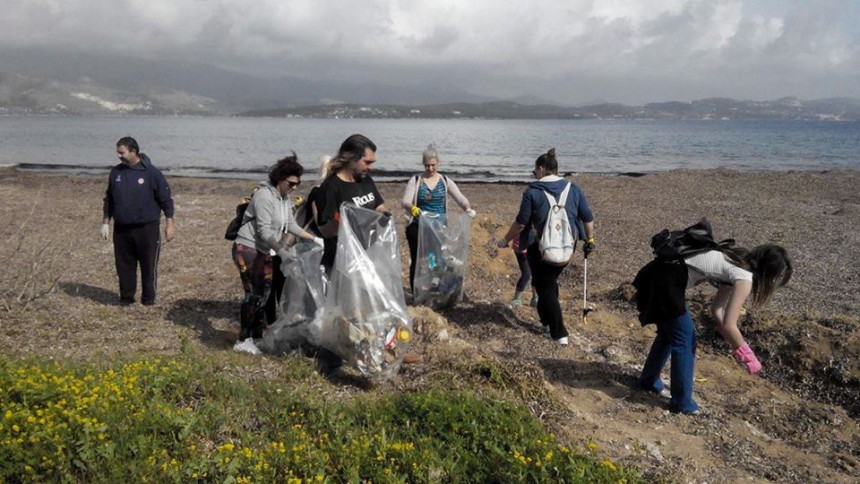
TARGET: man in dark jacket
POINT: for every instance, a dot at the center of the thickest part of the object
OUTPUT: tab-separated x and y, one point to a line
533	215
137	194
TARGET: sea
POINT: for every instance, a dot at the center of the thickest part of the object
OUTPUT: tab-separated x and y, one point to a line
470	150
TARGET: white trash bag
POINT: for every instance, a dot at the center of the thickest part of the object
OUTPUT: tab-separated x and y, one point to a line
302	299
440	266
365	320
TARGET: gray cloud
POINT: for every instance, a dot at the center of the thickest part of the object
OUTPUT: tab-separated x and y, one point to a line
563	50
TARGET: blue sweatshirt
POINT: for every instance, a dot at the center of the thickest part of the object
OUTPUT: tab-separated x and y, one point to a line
534	208
137	194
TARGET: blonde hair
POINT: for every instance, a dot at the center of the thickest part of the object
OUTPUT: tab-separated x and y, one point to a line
325	166
429	154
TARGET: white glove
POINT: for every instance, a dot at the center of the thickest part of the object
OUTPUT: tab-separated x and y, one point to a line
283	254
471	213
319	241
105	231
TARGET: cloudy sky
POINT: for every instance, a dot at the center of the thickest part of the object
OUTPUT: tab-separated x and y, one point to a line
568	51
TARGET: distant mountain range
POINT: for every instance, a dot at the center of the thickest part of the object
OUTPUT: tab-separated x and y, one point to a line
789	108
45	82
36	81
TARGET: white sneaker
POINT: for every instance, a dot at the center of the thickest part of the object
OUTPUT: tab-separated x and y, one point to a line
666	393
247	346
562	341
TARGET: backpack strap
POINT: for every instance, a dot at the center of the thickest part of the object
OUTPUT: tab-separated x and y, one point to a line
562	200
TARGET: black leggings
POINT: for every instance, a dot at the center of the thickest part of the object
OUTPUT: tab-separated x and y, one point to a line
525	271
412	239
545	283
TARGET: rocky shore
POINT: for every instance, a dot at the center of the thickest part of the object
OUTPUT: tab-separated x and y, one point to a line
797	422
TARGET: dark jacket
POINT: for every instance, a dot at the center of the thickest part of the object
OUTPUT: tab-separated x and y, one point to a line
534	209
137	194
660	291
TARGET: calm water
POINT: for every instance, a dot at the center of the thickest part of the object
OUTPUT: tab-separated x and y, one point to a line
471	149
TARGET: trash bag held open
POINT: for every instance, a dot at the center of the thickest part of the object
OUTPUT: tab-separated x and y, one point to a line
302	301
365	320
440	267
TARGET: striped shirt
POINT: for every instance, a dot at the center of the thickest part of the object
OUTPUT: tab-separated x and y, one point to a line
432	201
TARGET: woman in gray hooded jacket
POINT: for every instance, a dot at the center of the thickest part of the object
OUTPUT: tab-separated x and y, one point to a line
259	244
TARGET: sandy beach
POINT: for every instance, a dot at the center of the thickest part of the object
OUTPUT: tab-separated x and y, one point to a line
797	422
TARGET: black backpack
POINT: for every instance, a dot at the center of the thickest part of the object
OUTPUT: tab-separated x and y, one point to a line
680	244
237	222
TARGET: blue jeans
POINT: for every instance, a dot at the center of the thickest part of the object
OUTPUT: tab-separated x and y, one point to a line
676	338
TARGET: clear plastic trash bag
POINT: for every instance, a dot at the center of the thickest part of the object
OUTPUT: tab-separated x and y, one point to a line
440	265
365	320
302	299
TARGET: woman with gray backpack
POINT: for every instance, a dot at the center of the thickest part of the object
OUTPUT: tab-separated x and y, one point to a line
554	213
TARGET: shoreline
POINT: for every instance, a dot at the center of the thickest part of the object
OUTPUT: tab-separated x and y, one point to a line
397	176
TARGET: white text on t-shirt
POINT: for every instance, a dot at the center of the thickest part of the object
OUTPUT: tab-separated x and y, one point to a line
363	200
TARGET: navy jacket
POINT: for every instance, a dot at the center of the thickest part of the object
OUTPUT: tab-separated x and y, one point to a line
534	209
137	194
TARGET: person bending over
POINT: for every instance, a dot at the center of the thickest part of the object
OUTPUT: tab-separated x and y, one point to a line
738	275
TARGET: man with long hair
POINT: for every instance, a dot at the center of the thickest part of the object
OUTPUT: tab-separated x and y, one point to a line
348	181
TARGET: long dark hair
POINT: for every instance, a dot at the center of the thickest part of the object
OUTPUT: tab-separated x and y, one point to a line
352	149
769	264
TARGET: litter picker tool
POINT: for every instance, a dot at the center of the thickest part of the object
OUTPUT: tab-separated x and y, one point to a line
585	308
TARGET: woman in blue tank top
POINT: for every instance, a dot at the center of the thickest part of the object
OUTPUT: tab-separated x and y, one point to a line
428	192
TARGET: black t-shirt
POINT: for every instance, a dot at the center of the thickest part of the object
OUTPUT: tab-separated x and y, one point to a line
335	191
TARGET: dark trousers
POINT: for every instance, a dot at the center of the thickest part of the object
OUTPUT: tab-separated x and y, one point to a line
545	283
255	272
278	281
525	271
412	239
133	245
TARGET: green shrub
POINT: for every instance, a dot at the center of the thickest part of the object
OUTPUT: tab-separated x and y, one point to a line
187	419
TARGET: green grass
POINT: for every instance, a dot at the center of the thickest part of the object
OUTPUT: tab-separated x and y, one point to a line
195	418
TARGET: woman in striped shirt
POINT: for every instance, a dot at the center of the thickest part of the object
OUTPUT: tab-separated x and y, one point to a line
428	192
